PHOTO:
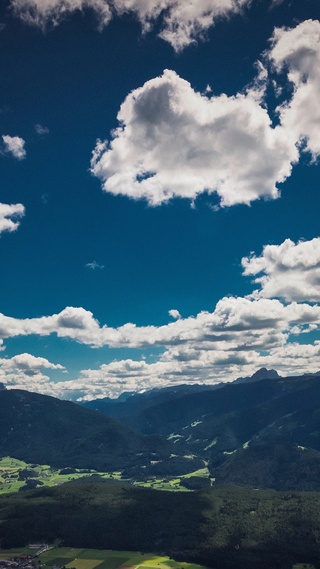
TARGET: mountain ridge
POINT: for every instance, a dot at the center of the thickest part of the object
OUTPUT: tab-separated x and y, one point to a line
230	432
46	430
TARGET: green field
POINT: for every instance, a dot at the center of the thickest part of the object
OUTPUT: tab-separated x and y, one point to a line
11	468
173	484
107	559
104	559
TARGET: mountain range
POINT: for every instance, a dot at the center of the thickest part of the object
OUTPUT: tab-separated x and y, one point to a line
262	431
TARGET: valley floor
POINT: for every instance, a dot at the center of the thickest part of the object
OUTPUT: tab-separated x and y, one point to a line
17	475
73	558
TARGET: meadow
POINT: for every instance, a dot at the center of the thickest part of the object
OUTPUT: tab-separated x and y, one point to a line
14	476
73	558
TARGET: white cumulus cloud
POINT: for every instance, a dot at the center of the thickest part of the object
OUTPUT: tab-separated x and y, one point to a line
14	145
175	142
28	363
237	337
289	270
9	216
297	52
189	366
236	323
25	371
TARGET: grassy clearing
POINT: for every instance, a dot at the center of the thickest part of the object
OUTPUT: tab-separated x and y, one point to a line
8	463
202	473
173	484
10	469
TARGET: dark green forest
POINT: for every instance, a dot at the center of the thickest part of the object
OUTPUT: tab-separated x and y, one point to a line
223	528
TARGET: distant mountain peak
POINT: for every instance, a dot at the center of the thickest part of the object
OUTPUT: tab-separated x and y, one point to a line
262	373
2	387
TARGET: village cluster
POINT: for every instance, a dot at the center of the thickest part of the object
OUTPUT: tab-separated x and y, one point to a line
26	561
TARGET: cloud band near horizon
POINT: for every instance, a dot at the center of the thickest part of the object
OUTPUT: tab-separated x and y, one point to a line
239	335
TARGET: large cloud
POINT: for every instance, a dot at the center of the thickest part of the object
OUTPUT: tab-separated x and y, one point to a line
175	142
182	23
290	271
9	216
235	323
240	335
297	51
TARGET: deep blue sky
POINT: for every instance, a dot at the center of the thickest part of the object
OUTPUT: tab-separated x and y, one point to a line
72	80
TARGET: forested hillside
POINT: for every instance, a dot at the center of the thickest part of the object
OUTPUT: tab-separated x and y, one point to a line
45	430
226	528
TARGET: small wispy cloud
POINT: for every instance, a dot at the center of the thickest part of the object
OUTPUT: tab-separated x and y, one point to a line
94	265
40	129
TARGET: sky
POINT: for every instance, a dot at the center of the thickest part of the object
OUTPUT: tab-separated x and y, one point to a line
159	178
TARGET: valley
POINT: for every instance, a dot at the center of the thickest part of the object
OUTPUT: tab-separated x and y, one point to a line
17	475
261	433
226	478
